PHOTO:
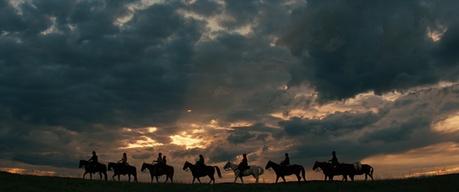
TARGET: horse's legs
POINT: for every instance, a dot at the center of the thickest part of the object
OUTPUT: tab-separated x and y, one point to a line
283	178
113	177
256	178
90	176
242	181
129	177
235	179
157	181
84	174
119	177
193	180
371	176
298	177
199	180
352	177
277	178
366	175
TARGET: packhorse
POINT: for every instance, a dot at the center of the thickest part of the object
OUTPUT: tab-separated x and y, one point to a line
93	168
122	169
198	171
282	171
343	169
157	170
253	170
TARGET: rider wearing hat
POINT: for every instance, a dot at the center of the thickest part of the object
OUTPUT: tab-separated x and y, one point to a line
334	160
286	161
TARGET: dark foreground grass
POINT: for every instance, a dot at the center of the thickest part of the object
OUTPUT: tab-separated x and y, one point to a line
23	183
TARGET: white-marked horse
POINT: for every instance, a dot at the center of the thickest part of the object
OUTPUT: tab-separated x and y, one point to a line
253	170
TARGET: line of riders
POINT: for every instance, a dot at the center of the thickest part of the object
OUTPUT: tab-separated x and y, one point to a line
159	167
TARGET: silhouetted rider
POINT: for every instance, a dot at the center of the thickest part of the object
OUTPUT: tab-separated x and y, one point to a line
243	165
159	160
286	161
200	162
334	160
124	160
93	160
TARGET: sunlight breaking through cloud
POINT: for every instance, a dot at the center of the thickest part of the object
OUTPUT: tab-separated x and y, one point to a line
448	125
143	142
187	140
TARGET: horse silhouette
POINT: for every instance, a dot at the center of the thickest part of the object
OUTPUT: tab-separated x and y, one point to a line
198	172
282	171
93	168
343	169
121	169
253	170
158	170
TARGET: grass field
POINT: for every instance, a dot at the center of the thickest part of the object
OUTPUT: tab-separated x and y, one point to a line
21	183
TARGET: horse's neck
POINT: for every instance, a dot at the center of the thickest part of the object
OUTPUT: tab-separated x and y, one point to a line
233	166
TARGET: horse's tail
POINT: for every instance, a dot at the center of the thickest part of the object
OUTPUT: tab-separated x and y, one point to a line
371	171
135	174
104	171
303	173
172	173
218	172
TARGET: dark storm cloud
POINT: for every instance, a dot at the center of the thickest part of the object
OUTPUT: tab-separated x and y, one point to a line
97	73
65	64
206	7
258	132
334	124
348	47
403	125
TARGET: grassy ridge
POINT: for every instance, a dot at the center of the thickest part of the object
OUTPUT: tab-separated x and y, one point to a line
23	183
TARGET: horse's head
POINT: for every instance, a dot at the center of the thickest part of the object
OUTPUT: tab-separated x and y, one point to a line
187	165
144	166
316	165
227	166
269	164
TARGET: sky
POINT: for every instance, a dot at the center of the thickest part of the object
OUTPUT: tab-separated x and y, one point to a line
376	81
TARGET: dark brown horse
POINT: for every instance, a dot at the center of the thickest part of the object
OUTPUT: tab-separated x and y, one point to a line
198	172
93	168
158	170
344	170
282	171
121	169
